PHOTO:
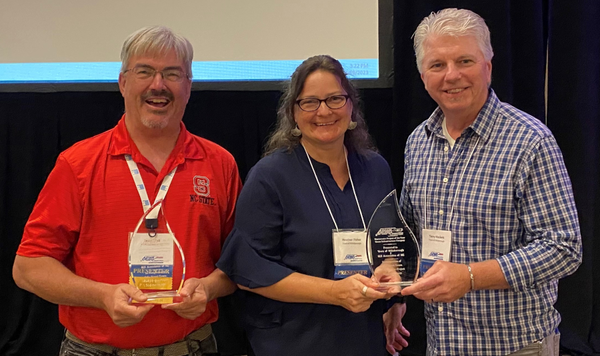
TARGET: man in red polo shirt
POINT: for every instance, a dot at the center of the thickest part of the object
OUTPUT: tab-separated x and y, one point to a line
74	250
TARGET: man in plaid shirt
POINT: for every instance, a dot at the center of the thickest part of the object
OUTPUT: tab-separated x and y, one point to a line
487	181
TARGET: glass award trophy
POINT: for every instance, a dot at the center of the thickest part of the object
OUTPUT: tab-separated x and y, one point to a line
392	249
156	260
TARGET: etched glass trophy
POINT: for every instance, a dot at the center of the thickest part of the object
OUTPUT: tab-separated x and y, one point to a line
392	249
156	260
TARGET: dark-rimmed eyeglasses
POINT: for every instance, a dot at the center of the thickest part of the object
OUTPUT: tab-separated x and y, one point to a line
332	102
170	74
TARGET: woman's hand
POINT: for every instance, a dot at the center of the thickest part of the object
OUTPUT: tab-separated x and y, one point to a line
356	293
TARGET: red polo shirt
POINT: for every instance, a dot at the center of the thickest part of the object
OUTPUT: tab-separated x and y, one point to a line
90	203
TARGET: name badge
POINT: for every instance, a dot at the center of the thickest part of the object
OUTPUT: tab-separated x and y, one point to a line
350	252
151	260
436	247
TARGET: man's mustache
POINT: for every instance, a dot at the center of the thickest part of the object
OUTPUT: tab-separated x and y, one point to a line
156	93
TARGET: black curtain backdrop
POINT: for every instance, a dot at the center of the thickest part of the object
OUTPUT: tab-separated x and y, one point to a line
574	117
530	39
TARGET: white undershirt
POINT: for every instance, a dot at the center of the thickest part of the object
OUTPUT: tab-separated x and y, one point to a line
451	141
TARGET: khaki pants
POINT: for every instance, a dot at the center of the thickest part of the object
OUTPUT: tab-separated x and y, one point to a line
549	346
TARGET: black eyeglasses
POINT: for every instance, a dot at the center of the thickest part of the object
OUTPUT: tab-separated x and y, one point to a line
332	102
171	74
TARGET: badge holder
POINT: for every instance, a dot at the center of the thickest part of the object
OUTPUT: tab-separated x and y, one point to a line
349	253
152	259
392	249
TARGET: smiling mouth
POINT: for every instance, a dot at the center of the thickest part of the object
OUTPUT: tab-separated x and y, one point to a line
157	102
455	91
325	123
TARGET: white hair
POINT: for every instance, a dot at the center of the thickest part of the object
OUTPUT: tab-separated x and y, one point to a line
452	22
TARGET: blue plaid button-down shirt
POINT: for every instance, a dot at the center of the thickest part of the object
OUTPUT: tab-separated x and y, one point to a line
513	202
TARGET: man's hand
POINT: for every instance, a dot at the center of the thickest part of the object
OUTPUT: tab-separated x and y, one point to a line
395	332
119	308
194	299
443	282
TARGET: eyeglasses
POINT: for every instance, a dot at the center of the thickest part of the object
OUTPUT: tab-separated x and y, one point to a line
171	74
332	102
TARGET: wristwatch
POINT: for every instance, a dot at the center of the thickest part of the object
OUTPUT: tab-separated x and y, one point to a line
396	299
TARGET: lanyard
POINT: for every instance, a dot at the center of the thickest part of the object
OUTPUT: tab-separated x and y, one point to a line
139	183
458	182
323	194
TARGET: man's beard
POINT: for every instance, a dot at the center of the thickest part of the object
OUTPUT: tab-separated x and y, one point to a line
164	120
156	124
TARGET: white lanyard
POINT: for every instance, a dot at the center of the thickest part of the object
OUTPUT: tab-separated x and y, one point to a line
139	183
457	183
323	194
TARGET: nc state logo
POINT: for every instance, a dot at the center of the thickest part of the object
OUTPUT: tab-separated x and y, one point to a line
202	186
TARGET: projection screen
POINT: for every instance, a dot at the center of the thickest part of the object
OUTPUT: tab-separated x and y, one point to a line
74	45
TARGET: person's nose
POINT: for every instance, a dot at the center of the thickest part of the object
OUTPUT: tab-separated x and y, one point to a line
158	82
452	73
323	109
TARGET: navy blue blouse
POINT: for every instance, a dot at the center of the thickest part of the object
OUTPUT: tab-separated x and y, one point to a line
282	226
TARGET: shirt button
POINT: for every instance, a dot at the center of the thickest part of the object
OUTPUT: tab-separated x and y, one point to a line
441	212
440	308
445	180
445	148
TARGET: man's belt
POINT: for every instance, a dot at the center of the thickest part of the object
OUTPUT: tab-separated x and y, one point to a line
178	348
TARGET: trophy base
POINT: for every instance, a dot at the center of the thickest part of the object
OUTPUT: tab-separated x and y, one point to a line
400	283
166	297
392	287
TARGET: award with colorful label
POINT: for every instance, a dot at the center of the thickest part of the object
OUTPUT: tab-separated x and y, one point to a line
156	260
392	249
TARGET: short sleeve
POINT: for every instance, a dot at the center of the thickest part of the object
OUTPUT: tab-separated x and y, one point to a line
54	224
251	255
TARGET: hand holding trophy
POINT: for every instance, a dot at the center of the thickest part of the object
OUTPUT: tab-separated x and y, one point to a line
392	249
153	265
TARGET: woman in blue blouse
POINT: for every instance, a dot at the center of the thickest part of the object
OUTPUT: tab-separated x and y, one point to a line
319	177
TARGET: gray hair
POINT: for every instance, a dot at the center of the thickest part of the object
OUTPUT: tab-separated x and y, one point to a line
357	140
154	40
452	22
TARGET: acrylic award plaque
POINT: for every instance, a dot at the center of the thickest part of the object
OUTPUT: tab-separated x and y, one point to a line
392	249
156	260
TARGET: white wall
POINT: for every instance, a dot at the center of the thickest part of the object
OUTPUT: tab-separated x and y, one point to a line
220	30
